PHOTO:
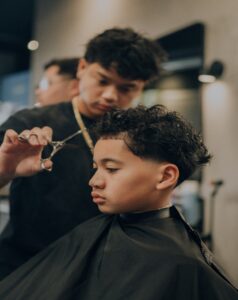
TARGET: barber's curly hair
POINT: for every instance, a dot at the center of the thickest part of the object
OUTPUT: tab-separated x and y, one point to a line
131	54
158	134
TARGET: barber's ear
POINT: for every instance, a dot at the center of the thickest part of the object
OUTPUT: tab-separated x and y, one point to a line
81	66
168	175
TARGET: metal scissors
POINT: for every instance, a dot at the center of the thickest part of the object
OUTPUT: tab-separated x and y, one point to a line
56	145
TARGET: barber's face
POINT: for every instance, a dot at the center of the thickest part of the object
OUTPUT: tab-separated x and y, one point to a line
102	89
54	87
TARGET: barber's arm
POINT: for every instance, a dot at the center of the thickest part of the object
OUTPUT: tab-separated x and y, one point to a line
22	157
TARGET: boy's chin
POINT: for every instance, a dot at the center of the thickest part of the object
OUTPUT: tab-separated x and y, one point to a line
108	211
111	211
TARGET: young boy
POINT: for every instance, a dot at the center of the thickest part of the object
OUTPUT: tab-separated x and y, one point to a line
141	249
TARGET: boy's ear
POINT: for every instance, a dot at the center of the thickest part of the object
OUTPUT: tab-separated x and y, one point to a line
81	66
168	175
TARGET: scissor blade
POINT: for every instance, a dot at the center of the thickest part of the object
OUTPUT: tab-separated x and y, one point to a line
72	136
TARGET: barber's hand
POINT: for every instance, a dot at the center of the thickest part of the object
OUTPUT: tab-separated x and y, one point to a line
20	155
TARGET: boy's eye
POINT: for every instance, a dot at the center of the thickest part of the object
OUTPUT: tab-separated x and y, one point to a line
111	170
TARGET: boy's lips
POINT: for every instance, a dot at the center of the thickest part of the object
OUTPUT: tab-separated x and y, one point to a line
97	198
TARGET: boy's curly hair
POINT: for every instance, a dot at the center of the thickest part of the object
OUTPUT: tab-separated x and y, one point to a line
158	134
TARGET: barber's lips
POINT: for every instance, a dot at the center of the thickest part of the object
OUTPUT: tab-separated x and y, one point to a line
97	198
104	107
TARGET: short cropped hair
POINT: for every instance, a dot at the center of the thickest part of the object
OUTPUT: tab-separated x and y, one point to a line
67	66
131	54
157	134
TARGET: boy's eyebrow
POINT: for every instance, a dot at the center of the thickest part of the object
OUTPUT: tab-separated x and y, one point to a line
103	75
106	160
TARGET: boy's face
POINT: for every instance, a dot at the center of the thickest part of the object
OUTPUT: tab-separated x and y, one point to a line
123	182
100	89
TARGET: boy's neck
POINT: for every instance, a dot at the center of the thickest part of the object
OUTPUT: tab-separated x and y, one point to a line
161	213
161	207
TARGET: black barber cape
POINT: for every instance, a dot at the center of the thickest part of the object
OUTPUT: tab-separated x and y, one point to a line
147	256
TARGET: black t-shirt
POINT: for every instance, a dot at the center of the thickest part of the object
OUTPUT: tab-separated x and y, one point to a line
47	205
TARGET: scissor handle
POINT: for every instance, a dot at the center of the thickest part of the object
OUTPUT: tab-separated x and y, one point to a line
57	145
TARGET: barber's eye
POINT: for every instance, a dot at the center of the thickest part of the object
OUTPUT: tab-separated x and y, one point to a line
125	89
103	81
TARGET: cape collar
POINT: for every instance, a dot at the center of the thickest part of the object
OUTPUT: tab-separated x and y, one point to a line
162	213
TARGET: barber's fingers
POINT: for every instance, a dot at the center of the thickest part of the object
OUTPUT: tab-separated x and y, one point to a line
24	136
47	133
10	136
40	136
36	136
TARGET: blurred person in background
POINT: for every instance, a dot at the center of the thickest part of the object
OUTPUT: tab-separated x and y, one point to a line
46	205
59	82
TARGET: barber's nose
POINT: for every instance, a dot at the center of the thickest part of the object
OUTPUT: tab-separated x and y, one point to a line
110	94
97	182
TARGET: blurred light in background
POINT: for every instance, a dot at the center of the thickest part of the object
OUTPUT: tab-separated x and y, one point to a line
210	74
205	78
33	45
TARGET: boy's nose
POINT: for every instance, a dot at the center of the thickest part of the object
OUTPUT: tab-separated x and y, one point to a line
96	182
